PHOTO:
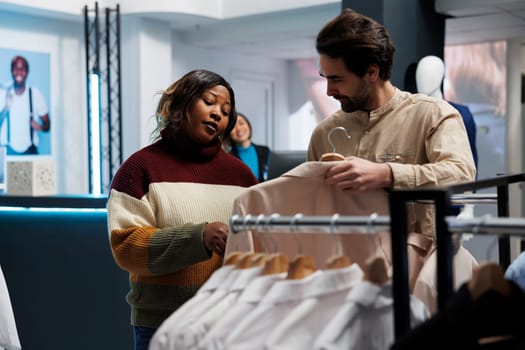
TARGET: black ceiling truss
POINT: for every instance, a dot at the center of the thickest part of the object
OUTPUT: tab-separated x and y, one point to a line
103	59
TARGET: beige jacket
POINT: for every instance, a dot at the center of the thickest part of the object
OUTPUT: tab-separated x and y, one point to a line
303	190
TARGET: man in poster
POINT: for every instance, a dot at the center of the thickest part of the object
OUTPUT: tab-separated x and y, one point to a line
24	112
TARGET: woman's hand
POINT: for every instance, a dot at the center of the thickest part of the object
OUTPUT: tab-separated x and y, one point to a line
214	237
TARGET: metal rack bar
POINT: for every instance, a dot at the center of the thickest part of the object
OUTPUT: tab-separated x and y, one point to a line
474	198
334	223
488	226
501	183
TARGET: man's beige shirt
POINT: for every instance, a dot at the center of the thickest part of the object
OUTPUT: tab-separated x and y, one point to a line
421	138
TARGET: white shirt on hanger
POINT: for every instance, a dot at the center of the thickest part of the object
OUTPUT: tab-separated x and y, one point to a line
283	296
366	319
247	302
304	323
195	330
195	305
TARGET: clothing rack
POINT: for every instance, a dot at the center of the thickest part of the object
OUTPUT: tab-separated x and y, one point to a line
294	223
276	221
442	199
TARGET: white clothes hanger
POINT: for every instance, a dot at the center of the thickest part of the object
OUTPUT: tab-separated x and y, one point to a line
334	156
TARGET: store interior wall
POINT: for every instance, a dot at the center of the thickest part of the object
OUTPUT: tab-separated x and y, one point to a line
154	54
64	41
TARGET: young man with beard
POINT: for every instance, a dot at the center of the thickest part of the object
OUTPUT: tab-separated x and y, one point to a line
397	139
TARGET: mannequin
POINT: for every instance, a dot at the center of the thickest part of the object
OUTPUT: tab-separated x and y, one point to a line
430	73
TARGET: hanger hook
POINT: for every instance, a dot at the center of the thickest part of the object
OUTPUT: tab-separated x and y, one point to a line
258	220
258	229
333	223
476	229
333	229
370	222
268	226
247	217
293	229
233	218
348	137
369	226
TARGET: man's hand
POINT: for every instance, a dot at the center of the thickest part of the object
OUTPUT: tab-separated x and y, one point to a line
214	236
41	127
358	174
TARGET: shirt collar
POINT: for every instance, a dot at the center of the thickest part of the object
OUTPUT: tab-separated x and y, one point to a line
378	113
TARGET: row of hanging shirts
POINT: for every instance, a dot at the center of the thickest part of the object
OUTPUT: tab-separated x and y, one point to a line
268	301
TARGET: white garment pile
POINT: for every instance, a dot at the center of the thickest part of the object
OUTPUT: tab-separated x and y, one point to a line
243	309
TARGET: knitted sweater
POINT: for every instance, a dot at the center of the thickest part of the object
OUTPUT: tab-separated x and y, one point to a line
160	200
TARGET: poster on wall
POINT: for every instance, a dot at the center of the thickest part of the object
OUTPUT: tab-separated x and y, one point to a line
25	121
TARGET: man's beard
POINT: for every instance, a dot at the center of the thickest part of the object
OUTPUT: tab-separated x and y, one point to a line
356	104
359	102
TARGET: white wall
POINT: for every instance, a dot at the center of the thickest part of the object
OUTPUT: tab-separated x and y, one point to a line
186	58
146	70
63	41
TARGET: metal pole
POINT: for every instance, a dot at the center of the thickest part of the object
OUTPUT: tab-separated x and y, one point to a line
504	241
399	235
88	91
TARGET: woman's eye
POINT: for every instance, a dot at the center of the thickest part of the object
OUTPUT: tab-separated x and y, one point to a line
226	113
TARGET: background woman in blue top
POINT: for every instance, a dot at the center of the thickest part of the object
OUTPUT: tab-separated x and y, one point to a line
256	157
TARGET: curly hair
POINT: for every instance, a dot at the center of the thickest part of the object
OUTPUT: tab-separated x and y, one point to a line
179	98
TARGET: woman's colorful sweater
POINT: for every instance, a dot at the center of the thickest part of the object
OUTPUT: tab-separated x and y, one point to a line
160	200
